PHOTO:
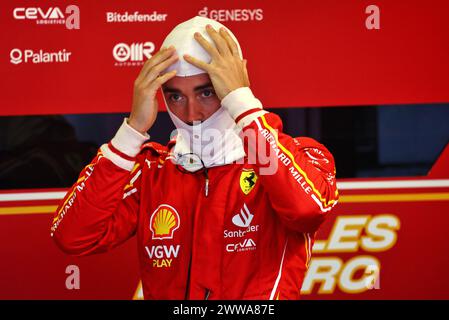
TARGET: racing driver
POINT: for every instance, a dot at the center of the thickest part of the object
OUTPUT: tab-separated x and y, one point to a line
229	208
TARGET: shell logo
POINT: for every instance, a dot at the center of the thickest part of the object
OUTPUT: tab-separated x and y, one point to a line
164	221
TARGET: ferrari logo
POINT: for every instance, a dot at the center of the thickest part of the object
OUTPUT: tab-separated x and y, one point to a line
248	180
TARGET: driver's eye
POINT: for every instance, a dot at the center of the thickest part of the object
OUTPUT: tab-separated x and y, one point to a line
175	97
207	93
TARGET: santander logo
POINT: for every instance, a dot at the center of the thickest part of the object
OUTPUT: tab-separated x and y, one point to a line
244	218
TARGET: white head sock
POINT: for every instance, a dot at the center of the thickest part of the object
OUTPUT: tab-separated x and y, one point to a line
182	38
220	128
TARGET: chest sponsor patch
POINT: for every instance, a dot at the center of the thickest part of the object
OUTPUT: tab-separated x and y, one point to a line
164	222
162	256
248	179
244	245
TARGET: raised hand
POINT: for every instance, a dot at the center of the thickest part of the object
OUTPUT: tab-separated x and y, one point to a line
227	70
145	106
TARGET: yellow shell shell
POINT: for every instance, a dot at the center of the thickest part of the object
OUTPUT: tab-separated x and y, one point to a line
164	221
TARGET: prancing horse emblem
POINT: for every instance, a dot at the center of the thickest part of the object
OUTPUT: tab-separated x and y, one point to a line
248	179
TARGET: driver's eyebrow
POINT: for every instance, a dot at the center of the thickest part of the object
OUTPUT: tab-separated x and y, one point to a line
203	86
197	88
171	90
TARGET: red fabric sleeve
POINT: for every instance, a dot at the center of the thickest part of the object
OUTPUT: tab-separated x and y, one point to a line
298	173
100	210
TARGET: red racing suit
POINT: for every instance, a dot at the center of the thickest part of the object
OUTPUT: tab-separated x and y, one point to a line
250	236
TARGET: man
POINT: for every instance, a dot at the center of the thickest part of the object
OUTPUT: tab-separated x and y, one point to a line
213	222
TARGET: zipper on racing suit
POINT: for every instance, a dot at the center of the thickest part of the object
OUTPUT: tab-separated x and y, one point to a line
206	186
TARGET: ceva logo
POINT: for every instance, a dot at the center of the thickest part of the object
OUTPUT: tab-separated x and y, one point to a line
52	15
245	245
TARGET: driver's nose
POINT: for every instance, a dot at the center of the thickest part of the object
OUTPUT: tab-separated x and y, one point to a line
194	112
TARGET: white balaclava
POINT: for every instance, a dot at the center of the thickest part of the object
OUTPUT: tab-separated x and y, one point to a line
219	127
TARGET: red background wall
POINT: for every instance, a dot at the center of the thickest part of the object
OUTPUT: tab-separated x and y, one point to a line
301	53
